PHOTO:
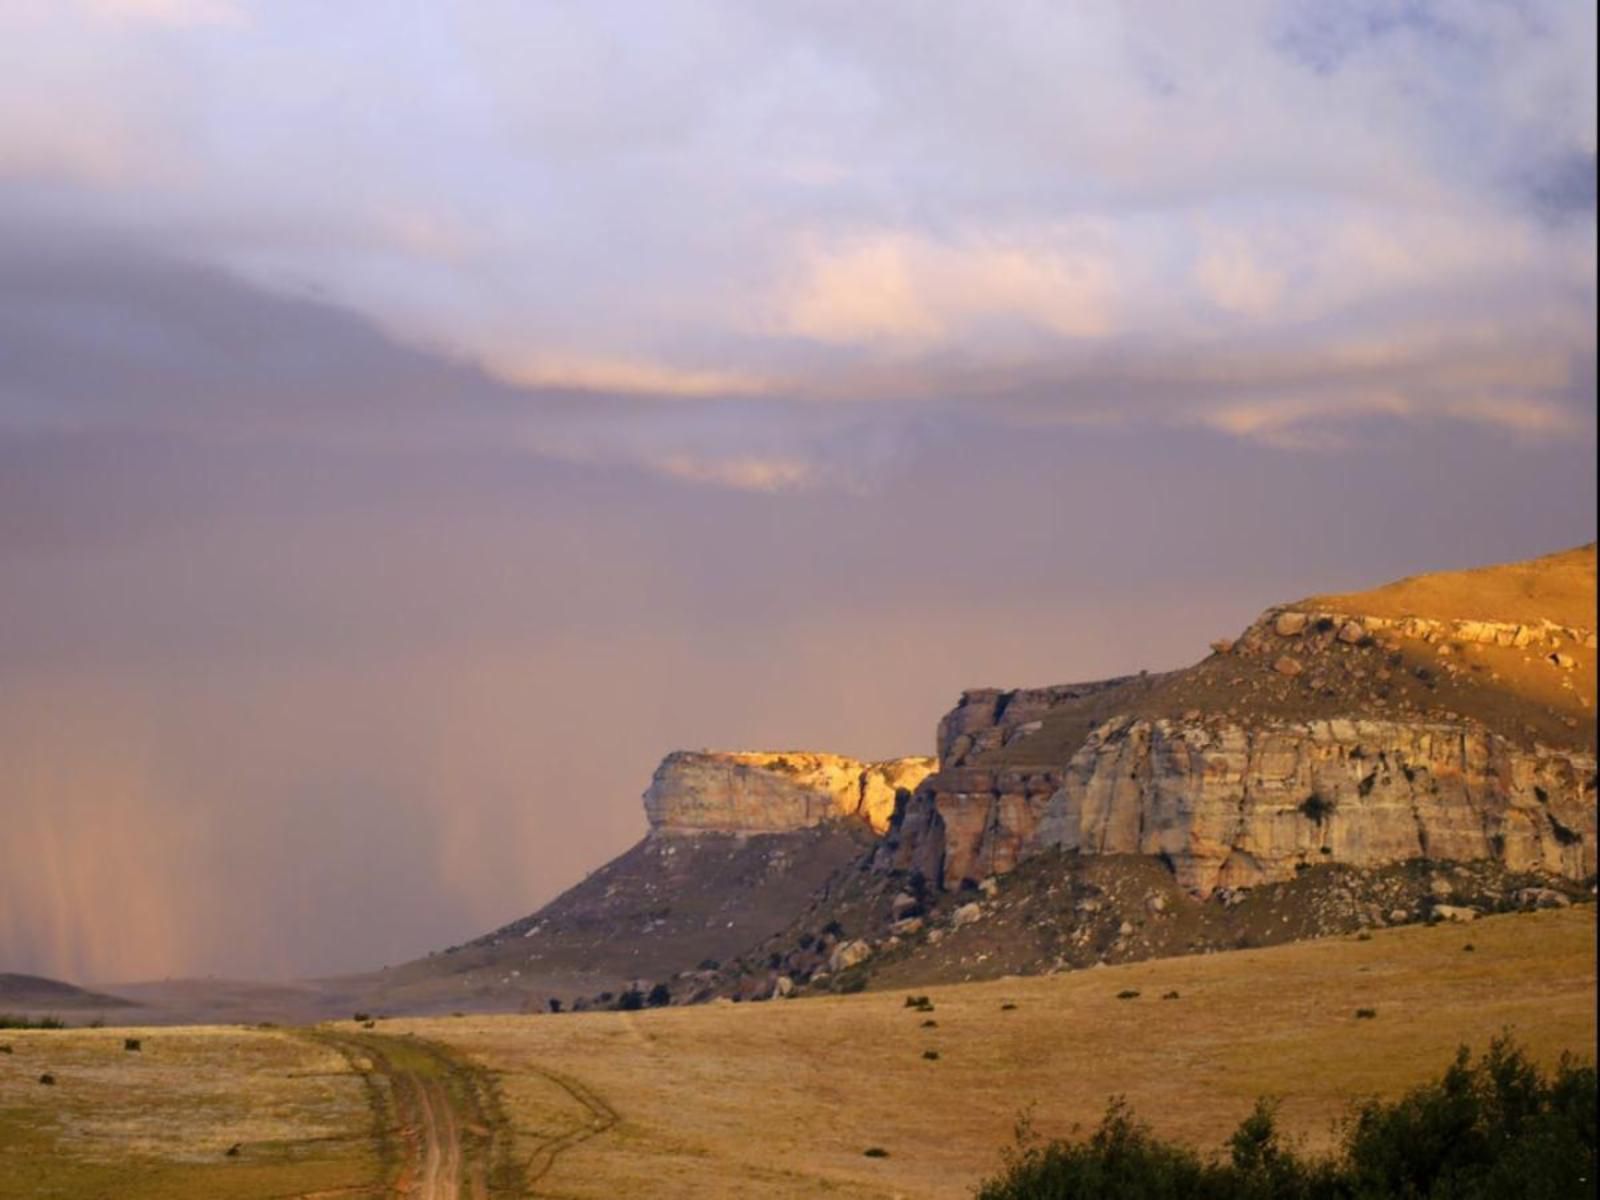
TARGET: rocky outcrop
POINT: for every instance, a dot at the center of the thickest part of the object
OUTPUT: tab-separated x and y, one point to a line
1228	806
1356	627
988	719
883	782
701	791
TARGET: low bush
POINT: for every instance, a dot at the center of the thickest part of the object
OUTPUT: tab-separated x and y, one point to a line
1486	1130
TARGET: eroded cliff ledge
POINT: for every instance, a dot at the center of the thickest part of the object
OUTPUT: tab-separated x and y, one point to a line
1350	729
1227	806
707	791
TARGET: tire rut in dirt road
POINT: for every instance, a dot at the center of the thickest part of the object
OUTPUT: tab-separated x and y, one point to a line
441	1130
600	1118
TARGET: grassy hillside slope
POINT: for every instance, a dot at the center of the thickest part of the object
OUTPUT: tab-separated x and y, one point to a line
783	1098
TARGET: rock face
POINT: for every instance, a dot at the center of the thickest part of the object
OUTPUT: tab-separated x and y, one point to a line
1228	806
700	791
990	718
1353	628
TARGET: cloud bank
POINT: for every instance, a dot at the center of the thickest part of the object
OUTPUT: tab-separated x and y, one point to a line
1267	219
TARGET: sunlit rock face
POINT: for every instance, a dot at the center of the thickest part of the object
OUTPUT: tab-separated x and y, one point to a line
1233	806
703	791
1445	716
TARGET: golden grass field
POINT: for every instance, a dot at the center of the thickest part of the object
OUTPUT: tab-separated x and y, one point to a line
781	1099
158	1123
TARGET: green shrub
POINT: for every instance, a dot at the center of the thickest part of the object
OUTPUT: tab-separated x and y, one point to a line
1495	1129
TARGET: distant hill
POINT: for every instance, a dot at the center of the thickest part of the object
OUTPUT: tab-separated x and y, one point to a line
35	994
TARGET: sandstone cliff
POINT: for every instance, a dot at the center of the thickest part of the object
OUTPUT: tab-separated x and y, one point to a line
698	791
1229	806
1343	730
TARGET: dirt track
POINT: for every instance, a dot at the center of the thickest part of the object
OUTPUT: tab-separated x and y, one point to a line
442	1135
441	1128
601	1118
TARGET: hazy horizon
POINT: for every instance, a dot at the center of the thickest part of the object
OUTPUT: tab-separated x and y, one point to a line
414	424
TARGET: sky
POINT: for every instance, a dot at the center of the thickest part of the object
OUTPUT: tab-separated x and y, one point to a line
416	419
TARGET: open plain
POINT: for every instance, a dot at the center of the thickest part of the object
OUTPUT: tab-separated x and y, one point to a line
159	1122
783	1098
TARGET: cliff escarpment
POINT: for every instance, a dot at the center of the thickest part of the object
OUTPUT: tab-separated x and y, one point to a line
1227	805
1422	751
704	791
1347	730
